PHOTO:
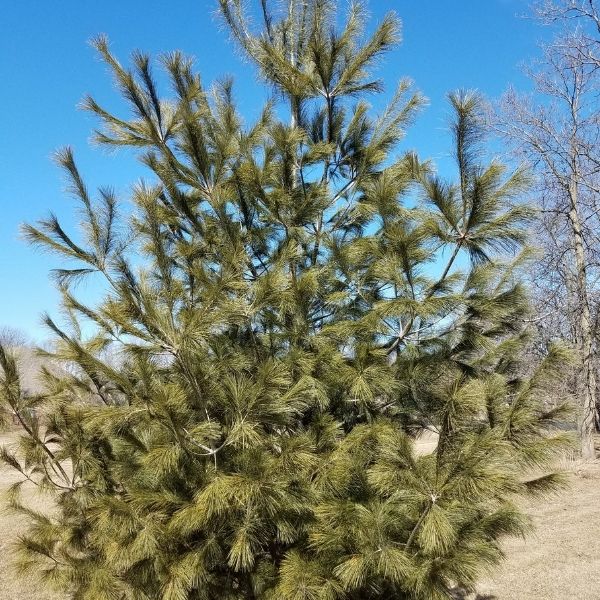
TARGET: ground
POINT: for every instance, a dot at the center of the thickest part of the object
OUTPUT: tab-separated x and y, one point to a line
12	587
559	561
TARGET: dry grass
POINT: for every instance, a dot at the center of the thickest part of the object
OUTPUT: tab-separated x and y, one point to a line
560	561
12	587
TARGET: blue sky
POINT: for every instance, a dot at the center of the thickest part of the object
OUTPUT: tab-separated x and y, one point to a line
46	67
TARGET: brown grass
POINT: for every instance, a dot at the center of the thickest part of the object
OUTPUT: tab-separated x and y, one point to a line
560	561
11	586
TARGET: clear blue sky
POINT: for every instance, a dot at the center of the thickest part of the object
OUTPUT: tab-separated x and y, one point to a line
46	66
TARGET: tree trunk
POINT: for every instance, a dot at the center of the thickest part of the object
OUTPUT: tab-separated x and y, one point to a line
587	379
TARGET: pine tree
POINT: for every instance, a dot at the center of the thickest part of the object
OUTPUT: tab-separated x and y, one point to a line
289	305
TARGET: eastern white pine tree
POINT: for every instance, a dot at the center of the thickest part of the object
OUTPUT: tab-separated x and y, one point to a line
289	310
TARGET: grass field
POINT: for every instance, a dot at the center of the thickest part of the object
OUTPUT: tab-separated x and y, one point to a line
560	561
11	587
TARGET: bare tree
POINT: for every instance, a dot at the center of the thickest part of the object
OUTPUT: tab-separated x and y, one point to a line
13	337
559	133
585	12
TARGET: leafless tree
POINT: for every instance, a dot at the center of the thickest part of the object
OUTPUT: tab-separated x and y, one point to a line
585	12
558	132
13	337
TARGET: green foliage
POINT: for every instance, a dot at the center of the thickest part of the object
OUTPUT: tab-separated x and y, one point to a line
289	306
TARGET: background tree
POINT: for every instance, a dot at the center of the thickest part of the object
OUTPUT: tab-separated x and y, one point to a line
293	304
12	337
559	135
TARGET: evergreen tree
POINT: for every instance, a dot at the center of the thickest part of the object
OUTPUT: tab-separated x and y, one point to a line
288	307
